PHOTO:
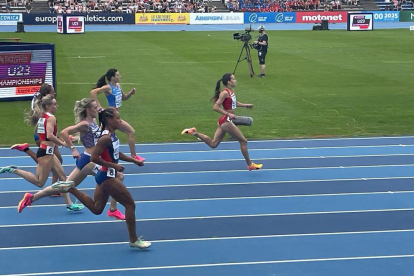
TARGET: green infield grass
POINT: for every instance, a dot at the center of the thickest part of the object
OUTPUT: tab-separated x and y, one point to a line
318	83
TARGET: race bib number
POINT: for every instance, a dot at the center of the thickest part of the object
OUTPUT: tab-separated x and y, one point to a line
96	169
115	145
41	126
118	100
110	172
50	150
96	133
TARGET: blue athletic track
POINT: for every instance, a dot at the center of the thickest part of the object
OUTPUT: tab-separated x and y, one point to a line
319	207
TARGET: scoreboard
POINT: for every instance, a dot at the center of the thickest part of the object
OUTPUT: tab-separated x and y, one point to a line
24	67
360	21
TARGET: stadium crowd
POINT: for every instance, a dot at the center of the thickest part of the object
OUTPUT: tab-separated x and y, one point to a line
129	6
287	5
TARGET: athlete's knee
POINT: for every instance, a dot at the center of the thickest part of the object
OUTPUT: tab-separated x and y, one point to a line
130	205
243	142
97	210
214	144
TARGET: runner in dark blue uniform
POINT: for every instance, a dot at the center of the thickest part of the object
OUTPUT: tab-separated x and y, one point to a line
106	153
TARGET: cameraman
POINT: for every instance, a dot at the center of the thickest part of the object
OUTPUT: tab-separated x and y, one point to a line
262	50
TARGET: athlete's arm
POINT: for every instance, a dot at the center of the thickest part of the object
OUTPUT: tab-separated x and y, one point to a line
82	128
94	93
127	96
239	104
50	125
102	144
123	157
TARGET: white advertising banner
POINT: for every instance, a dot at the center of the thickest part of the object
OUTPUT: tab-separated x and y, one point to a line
216	18
10	18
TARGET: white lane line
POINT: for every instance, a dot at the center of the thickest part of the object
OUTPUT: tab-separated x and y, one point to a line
238	159
210	217
235	198
246	171
218	238
235	183
268	141
216	265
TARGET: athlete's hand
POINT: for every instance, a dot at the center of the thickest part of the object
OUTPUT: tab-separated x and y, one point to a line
118	168
231	116
132	91
75	153
249	106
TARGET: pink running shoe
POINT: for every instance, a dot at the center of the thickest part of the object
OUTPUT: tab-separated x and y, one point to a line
26	201
116	214
20	147
139	158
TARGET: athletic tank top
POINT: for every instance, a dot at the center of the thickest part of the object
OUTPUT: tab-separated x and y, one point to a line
90	139
115	98
111	153
229	102
41	126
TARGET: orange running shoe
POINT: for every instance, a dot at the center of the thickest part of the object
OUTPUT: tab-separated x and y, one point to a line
20	147
254	166
190	131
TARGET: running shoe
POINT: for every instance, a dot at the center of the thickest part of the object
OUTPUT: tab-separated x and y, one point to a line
190	131
8	169
20	147
63	186
254	166
140	243
116	214
75	207
139	158
26	201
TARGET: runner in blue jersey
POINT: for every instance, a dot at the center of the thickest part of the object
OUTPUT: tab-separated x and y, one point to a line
106	153
115	96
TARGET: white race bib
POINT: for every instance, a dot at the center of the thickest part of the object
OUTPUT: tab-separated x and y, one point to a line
115	145
110	172
50	150
41	126
118	100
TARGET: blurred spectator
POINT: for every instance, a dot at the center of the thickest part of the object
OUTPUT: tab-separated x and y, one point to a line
28	6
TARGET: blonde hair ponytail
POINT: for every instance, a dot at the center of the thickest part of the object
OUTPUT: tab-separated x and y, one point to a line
38	109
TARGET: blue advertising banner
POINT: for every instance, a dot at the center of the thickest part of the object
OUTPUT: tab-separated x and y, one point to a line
269	17
90	18
386	16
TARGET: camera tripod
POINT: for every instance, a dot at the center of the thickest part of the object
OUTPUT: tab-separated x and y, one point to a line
248	57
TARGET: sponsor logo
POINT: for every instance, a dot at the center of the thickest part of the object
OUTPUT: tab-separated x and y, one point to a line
279	17
217	18
317	17
9	17
52	19
322	17
253	18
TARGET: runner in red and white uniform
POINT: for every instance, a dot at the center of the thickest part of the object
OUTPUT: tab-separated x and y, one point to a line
46	127
227	99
